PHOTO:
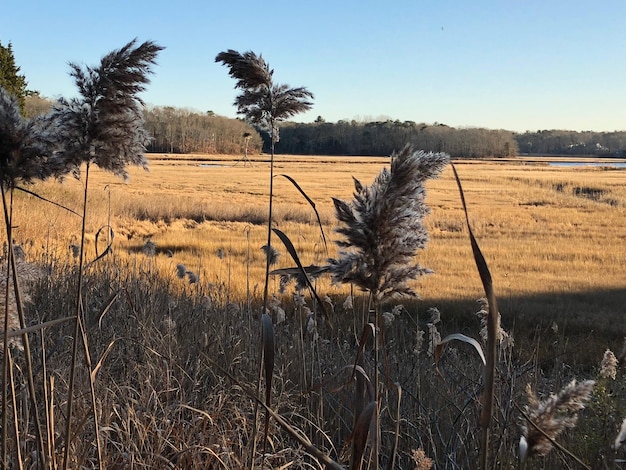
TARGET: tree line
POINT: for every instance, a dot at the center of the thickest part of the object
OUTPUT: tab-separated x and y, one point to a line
383	137
562	142
178	130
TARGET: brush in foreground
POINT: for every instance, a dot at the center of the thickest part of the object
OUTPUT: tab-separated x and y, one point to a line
550	417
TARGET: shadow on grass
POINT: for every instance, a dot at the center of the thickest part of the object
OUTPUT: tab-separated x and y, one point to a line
584	323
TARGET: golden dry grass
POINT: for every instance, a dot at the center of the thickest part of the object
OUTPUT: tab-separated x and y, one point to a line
544	230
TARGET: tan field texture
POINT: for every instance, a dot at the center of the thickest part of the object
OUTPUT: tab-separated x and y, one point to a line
549	234
173	315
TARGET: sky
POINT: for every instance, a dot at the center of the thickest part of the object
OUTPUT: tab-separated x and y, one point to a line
520	65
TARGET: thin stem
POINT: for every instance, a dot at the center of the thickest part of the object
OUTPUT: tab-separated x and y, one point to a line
77	328
8	217
378	395
5	356
269	222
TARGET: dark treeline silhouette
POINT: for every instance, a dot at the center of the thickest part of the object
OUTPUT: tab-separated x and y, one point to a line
178	130
561	142
383	137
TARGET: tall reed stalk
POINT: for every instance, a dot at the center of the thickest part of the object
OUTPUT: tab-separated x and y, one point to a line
384	229
264	104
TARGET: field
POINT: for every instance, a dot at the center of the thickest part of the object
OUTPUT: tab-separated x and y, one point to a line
553	237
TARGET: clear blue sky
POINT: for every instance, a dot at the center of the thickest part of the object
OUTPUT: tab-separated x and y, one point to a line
509	64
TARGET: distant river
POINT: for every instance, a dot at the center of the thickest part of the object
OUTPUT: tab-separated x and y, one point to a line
602	164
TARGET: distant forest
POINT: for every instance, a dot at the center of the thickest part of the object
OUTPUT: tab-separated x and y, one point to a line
382	138
179	130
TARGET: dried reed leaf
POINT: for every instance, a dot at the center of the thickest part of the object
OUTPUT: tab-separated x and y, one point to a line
99	364
312	204
459	337
492	331
107	250
294	255
360	435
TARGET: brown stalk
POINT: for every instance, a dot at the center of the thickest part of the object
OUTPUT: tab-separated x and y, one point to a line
8	217
492	331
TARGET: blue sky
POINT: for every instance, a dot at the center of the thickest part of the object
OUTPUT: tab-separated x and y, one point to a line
517	65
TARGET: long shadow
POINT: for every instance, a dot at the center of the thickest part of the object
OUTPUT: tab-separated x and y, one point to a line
582	324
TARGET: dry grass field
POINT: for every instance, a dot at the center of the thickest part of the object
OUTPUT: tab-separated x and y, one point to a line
553	237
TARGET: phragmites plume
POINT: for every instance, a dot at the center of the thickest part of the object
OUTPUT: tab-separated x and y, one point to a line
550	417
25	145
104	125
262	101
608	366
271	254
502	337
383	226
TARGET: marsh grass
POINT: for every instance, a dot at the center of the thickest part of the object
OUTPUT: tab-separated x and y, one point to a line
156	337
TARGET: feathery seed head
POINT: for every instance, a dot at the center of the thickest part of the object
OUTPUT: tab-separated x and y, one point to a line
383	226
271	253
104	125
181	270
552	415
26	146
262	101
192	277
608	366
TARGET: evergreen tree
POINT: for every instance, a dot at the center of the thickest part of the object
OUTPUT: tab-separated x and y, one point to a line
10	78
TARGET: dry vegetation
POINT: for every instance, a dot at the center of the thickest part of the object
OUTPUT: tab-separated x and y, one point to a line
546	231
553	239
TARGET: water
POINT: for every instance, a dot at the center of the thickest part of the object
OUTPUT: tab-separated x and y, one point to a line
583	164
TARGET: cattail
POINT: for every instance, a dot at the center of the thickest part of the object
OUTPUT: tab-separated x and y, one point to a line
608	366
552	416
